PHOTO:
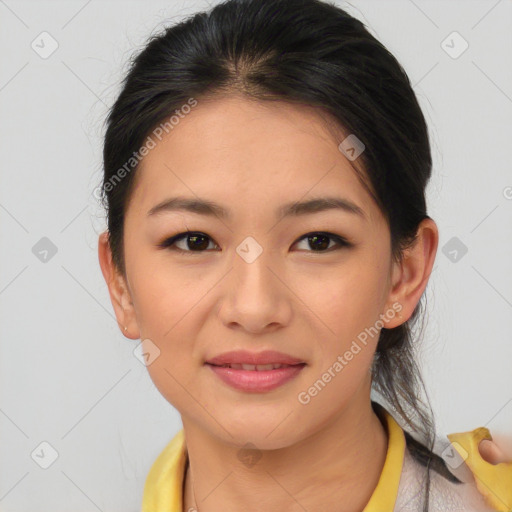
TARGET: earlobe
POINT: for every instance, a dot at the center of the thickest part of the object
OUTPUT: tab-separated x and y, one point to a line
118	290
411	275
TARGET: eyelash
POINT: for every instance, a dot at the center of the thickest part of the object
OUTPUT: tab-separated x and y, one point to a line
169	242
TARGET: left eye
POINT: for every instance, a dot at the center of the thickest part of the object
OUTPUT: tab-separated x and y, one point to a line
320	241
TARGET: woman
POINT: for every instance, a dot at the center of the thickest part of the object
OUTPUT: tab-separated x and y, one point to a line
268	240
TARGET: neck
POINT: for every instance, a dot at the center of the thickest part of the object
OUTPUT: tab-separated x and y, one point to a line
336	468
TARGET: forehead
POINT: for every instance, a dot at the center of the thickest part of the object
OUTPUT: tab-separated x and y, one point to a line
249	154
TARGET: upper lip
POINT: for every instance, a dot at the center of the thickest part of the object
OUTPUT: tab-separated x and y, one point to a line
255	358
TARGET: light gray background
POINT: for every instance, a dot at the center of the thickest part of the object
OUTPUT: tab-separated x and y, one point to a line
68	376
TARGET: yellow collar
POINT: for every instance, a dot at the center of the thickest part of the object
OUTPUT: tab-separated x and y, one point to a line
164	483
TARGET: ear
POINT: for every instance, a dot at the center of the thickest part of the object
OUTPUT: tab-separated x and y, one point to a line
409	277
118	290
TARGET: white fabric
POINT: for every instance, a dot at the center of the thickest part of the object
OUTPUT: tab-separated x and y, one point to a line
445	496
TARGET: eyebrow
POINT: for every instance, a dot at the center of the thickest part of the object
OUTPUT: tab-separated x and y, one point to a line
210	208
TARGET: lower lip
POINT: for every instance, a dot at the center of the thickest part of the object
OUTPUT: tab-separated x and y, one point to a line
256	381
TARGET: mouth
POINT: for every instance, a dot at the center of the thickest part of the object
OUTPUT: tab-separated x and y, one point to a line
255	372
256	378
258	361
255	367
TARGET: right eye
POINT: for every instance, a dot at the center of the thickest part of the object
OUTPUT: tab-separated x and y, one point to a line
193	241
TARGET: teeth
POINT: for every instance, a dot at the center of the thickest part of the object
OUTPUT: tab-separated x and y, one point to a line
254	367
260	367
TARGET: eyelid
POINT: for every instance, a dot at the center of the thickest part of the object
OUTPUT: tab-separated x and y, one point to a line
169	243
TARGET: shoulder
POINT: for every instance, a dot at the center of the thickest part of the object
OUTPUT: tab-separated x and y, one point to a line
444	495
483	487
493	481
163	485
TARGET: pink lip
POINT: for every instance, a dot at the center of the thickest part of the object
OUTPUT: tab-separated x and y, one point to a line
254	380
246	357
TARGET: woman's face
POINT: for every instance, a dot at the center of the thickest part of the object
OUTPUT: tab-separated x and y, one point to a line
252	281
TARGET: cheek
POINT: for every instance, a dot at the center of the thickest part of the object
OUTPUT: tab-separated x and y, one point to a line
348	306
165	302
172	329
165	293
347	300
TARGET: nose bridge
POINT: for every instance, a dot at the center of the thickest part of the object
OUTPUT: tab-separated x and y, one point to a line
250	266
254	298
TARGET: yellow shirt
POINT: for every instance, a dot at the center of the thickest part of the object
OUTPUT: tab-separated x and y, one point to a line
164	483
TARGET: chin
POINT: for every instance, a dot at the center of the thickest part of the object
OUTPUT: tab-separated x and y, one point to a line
266	433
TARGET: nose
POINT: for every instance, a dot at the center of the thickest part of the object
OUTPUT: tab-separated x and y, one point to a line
256	298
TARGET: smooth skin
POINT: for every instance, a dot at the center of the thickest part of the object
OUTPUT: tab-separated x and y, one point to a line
251	158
